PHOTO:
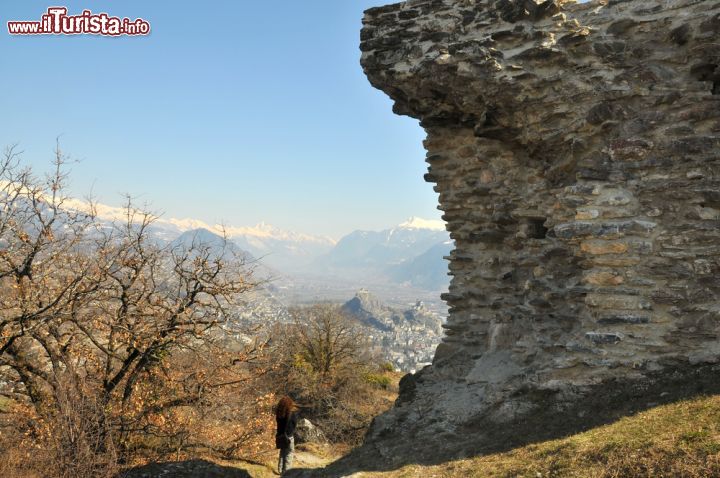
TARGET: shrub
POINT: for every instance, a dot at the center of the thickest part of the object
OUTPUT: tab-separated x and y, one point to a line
378	380
325	365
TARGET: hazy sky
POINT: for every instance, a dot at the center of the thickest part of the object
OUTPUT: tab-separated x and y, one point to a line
236	111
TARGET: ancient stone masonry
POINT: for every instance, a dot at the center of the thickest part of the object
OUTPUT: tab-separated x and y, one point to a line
576	151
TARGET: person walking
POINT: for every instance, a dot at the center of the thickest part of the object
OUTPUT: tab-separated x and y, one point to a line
286	418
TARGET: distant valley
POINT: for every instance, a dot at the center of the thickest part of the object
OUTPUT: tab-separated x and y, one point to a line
387	282
400	264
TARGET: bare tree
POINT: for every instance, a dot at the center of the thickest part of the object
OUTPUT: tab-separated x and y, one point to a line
325	367
98	318
326	338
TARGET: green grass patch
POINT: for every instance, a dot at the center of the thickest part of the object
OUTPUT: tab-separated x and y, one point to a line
379	380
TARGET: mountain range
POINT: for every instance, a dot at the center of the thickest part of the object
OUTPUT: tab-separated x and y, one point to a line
410	253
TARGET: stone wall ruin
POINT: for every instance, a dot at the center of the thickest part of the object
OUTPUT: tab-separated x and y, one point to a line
575	150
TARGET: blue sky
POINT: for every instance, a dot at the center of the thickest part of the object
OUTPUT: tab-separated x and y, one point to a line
238	112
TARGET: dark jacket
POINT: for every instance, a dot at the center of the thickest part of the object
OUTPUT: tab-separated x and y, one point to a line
285	430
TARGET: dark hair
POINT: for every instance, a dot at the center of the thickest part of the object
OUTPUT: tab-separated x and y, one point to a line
285	407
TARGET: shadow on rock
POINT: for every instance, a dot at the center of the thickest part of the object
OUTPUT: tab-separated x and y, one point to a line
552	418
185	469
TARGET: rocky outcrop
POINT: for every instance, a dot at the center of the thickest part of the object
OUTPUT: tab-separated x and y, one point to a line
307	432
576	152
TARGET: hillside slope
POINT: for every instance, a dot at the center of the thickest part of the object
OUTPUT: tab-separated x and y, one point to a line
676	440
669	441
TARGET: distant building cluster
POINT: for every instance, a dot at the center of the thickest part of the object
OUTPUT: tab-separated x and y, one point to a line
404	338
412	339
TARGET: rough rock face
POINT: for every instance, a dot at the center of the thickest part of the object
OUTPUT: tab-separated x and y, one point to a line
307	432
576	150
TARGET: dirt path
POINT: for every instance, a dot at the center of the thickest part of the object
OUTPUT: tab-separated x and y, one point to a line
224	469
304	459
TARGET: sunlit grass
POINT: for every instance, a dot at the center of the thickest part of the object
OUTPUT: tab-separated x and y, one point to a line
678	440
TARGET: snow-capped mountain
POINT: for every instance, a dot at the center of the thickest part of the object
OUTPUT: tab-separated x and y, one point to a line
419	223
370	249
409	253
285	250
281	249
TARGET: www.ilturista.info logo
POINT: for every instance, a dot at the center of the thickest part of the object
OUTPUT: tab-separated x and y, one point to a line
57	22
